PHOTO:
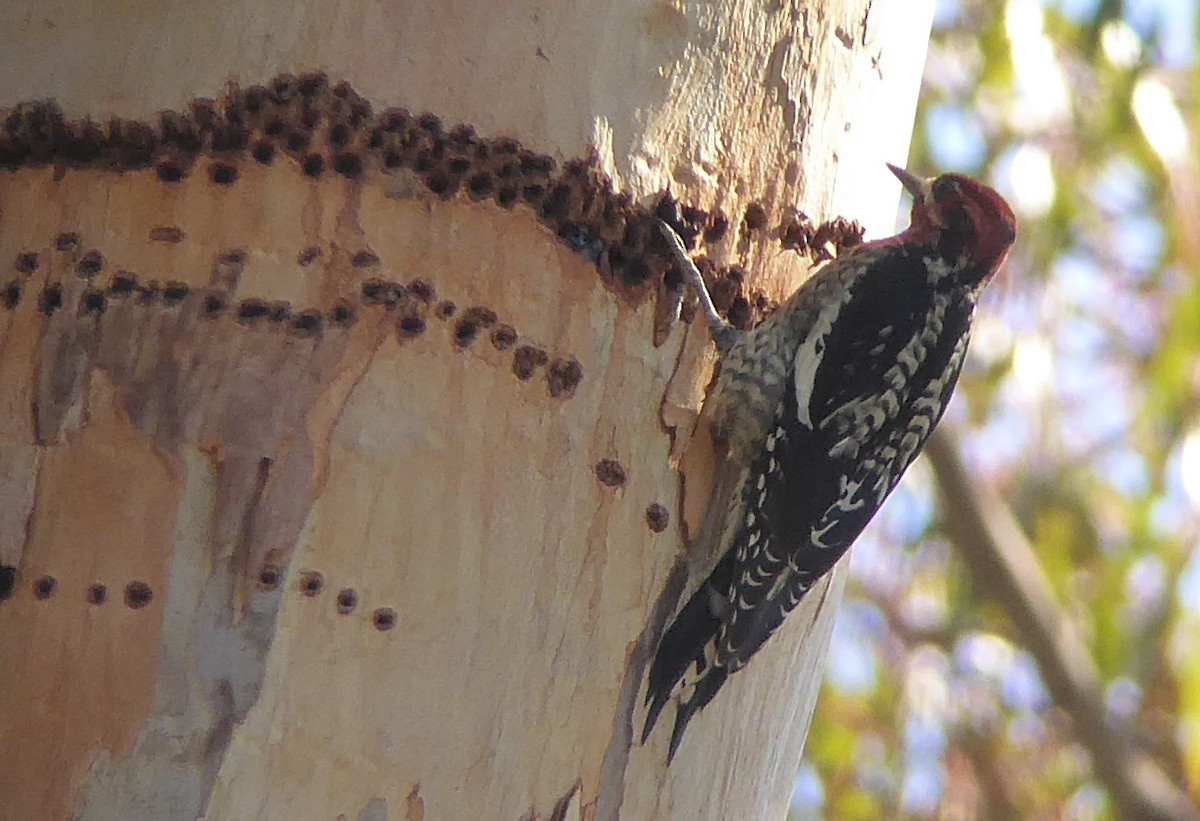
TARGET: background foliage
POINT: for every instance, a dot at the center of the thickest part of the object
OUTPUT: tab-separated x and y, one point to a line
1079	404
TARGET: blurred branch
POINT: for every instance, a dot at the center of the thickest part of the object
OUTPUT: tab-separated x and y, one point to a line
1003	563
973	746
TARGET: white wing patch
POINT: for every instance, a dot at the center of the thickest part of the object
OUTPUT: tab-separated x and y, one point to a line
809	355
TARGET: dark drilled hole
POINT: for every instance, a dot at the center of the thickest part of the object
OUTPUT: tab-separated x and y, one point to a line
485	316
795	236
123	285
504	337
138	595
610	473
234	256
526	360
256	99
8	581
66	241
636	271
533	194
169	171
445	309
205	112
422	290
339	135
541	164
147	294
89	264
169	234
505	146
307	323
411	325
347	600
740	313
175	292
252	309
506	197
229	136
430	123
215	304
657	517
756	217
311	85
472	322
509	171
462	135
311	583
465	332
280	311
348	165
26	262
269	576
342	314
395	120
557	204
717	227
222	173
97	593
284	88
480	186
384	618
313	165
443	184
381	292
263	152
563	376
92	302
51	299
11	294
365	259
298	141
44	587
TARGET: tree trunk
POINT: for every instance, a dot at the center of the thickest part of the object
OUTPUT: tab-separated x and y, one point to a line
341	473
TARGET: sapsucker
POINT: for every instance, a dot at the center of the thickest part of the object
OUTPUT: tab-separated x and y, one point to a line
822	407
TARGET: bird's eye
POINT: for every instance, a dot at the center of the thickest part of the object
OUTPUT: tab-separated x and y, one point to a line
958	231
959	221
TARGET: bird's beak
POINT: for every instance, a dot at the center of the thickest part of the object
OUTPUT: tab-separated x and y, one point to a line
916	186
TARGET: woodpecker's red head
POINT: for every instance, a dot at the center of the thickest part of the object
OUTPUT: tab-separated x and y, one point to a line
969	223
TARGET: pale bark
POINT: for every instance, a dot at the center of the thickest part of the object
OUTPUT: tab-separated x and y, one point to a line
197	451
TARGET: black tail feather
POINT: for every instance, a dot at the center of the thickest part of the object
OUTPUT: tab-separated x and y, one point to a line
706	688
683	645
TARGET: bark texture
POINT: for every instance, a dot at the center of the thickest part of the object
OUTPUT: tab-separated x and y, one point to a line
340	473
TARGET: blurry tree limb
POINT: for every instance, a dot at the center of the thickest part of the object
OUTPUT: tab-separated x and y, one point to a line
1003	563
